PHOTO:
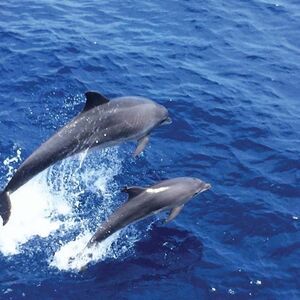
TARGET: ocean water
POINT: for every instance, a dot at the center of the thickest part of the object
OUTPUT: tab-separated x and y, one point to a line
229	73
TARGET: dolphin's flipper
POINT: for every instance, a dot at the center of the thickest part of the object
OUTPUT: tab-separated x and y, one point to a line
142	143
173	213
5	207
94	99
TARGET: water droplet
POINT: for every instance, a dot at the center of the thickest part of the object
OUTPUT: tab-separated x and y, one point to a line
231	291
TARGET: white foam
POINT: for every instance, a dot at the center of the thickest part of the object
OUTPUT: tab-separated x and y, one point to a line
33	213
75	256
10	161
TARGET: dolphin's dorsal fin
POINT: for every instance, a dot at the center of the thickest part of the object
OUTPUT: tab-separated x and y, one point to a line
133	191
94	99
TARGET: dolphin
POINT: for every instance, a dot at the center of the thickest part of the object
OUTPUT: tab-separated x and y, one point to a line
102	123
142	202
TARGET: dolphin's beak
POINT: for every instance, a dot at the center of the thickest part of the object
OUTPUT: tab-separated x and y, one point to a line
204	187
167	121
207	186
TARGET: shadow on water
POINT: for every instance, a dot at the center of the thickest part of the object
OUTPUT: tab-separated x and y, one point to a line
166	253
160	255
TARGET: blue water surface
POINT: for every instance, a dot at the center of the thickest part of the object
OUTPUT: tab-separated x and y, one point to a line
229	73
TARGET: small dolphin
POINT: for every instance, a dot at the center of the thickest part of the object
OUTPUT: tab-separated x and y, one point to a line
142	202
102	123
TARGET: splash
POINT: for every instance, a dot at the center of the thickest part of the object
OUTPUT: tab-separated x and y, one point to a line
98	181
10	163
75	256
33	208
64	205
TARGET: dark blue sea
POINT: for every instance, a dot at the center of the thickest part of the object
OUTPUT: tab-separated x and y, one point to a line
229	74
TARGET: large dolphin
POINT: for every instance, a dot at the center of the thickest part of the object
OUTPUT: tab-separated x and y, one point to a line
142	202
102	123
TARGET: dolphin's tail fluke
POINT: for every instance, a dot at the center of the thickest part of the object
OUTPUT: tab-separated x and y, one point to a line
5	206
